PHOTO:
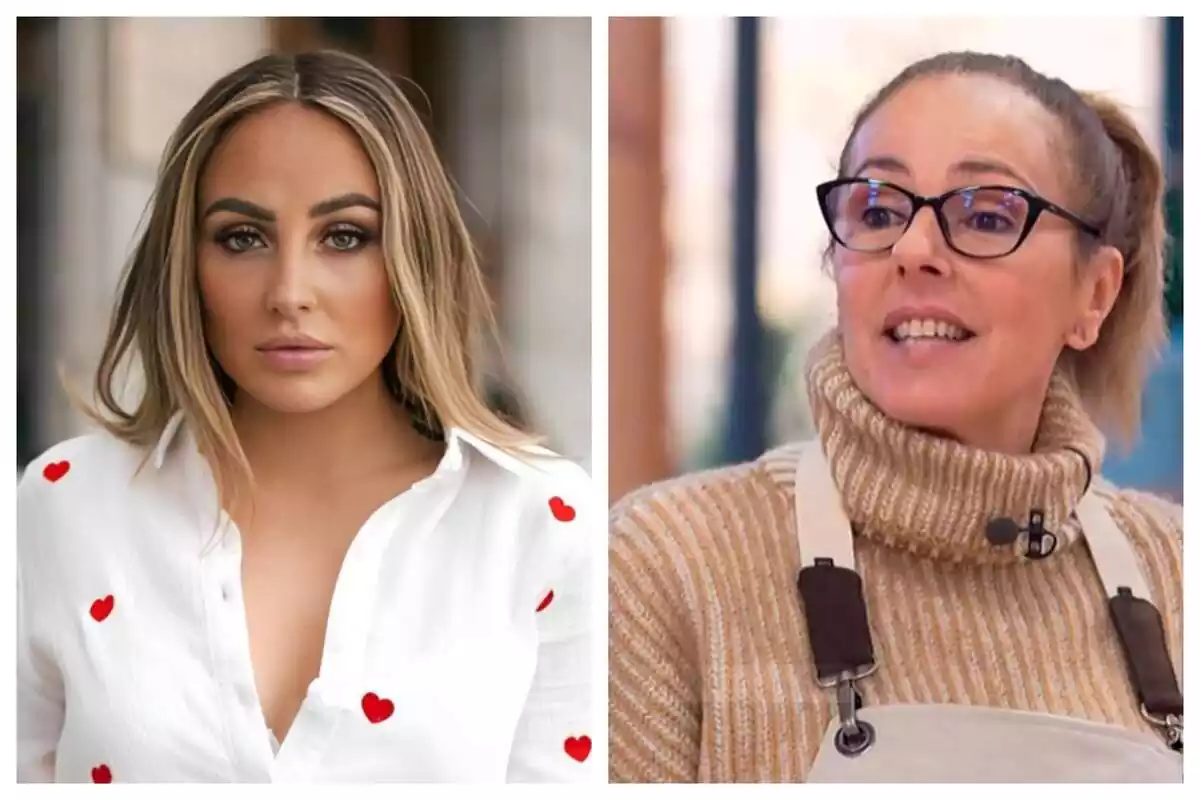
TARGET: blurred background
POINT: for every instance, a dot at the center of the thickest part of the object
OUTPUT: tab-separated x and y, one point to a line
719	130
508	102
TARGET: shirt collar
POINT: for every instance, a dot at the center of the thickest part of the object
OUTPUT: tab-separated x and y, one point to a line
453	459
168	436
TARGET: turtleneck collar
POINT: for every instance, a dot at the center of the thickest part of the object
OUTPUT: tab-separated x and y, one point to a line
933	496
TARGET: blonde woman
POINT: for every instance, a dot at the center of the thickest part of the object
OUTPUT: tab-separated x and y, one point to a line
940	587
307	551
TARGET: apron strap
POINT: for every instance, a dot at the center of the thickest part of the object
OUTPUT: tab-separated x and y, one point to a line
830	588
822	528
1111	550
836	614
1138	624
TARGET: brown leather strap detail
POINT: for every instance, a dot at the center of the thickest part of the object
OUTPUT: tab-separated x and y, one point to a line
836	613
1143	639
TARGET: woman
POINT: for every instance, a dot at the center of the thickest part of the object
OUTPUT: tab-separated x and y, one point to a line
975	603
309	551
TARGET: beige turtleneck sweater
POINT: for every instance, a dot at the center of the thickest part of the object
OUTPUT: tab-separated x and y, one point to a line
711	676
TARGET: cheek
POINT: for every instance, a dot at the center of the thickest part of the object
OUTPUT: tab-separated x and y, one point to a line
1029	302
360	299
853	283
859	283
228	300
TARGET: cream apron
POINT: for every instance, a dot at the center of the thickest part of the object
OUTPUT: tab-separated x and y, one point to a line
953	743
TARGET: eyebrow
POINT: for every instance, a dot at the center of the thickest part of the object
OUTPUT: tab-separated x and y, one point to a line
255	211
970	166
889	163
975	166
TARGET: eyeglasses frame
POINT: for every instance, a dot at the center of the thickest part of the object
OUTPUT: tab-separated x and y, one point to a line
1037	206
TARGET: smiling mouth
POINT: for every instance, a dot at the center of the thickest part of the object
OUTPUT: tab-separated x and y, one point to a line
928	330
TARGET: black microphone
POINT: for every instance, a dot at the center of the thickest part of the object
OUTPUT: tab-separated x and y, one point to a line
1003	531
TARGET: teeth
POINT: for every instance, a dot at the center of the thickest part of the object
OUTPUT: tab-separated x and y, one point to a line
928	329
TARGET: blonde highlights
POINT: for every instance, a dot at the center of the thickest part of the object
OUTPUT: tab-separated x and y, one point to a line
433	270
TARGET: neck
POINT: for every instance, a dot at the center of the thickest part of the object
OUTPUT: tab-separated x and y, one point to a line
933	495
363	433
1012	430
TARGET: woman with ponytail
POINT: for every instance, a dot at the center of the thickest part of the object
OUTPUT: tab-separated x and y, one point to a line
975	602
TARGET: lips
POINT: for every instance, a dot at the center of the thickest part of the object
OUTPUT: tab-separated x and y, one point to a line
294	353
293	343
293	349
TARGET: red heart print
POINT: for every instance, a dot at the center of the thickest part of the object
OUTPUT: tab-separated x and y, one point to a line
102	608
54	471
578	749
101	774
562	512
376	708
546	600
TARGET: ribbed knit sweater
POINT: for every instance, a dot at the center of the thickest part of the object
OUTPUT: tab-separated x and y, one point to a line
711	675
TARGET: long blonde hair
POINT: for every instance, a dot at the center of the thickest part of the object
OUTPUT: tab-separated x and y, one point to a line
433	271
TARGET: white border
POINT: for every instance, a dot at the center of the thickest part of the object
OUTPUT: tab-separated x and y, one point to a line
599	389
599	145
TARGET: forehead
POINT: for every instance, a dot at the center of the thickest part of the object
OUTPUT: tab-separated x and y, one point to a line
936	122
288	152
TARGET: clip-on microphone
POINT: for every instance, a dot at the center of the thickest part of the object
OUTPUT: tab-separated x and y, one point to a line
1003	531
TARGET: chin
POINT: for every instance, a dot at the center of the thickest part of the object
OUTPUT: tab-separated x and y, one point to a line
928	409
285	397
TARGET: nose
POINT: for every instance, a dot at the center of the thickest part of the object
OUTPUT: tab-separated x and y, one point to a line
290	290
922	248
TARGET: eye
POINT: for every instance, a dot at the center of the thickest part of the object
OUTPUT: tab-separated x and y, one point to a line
988	211
880	217
988	222
240	240
346	238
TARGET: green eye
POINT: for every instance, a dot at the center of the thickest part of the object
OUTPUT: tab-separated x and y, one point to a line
240	240
347	238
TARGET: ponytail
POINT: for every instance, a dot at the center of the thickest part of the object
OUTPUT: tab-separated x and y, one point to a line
1112	372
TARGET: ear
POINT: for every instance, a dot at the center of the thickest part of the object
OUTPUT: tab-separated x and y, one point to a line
1097	291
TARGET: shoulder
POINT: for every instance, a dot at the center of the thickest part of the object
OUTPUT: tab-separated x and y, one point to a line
691	521
682	505
528	468
1143	513
1154	524
59	491
542	494
70	472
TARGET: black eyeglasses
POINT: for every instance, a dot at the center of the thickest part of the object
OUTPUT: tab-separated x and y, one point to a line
870	216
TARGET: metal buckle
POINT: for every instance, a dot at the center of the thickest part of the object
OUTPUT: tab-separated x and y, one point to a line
853	736
1170	725
857	675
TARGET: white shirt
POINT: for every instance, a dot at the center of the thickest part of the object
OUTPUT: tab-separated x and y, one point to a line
441	662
